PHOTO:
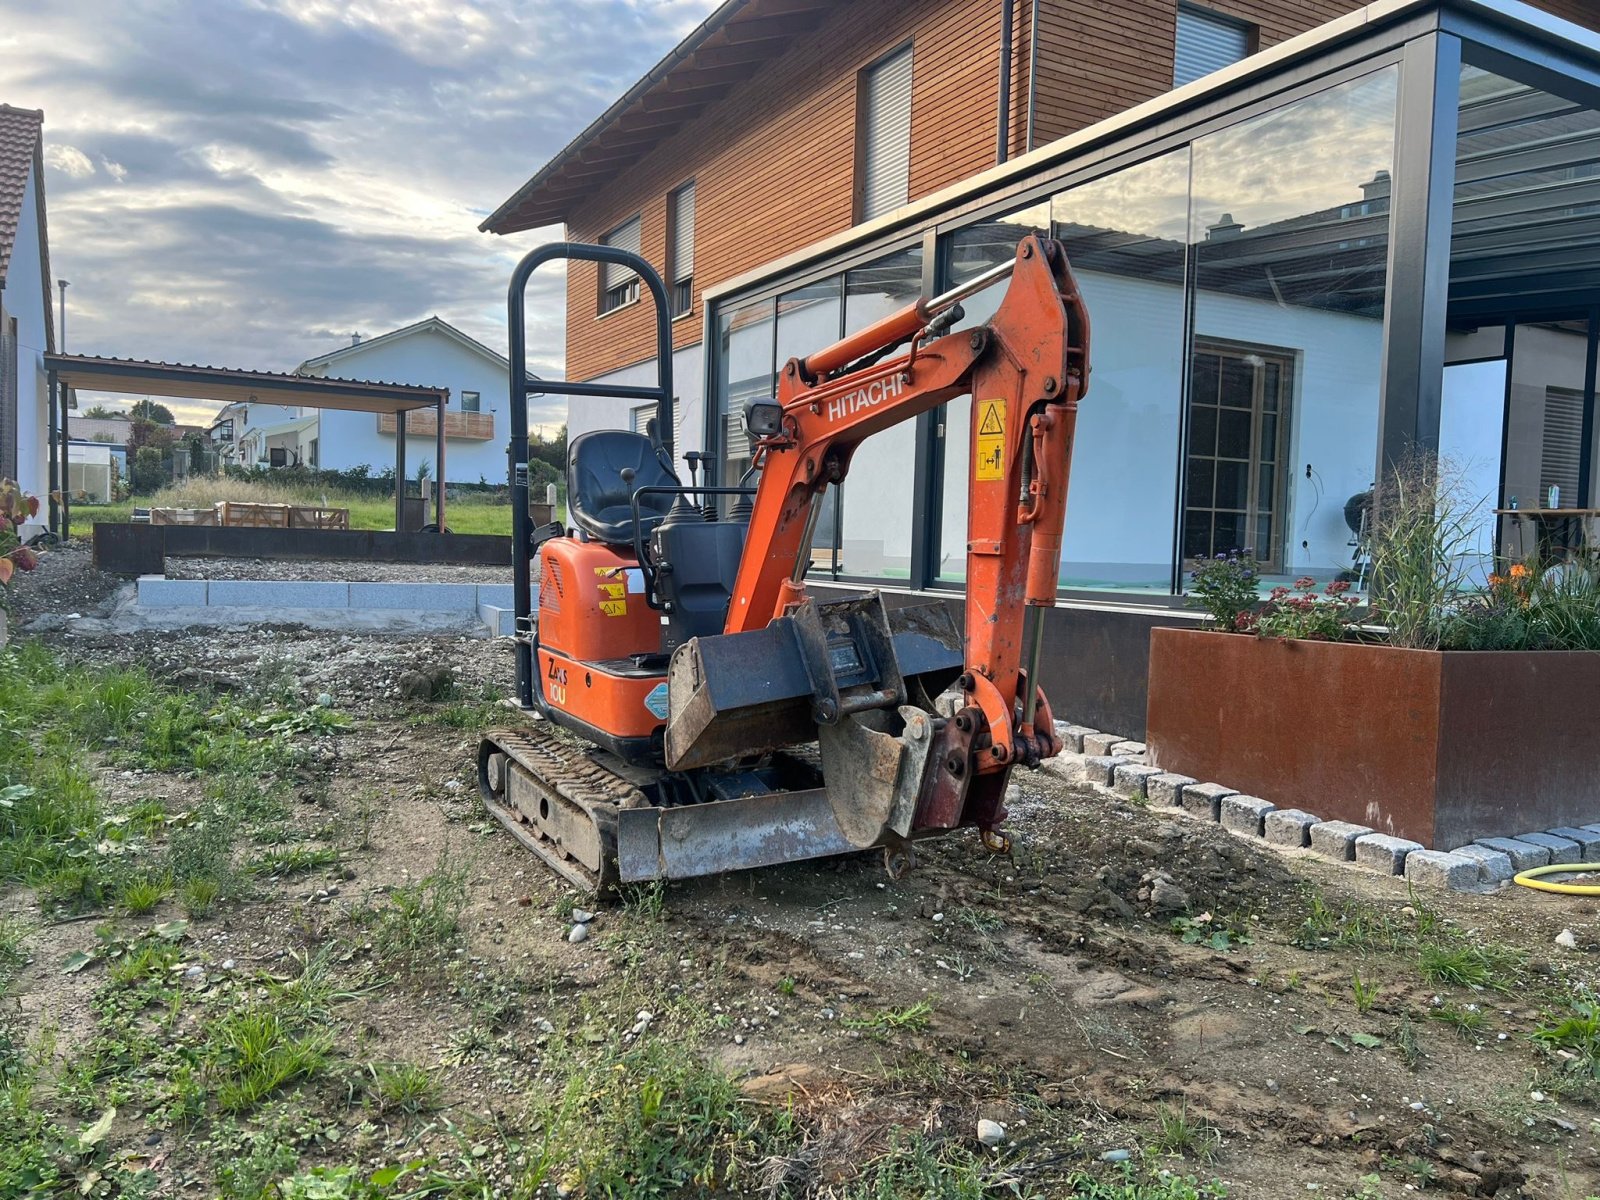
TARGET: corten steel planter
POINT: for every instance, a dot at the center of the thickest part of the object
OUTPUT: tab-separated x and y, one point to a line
1438	746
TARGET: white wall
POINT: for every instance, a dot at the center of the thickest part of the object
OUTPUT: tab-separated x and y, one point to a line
586	413
430	359
1472	403
25	300
1122	501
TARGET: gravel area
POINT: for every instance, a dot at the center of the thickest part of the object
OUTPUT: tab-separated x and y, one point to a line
342	571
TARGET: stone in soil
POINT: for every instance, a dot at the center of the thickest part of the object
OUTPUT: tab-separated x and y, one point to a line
1337	839
1166	896
1166	788
1289	827
991	1133
578	933
1245	814
1205	799
1524	856
1383	853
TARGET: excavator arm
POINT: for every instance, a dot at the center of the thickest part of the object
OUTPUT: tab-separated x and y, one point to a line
1026	369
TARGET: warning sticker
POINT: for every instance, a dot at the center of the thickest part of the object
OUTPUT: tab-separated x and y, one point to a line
614	608
990	463
656	702
613	591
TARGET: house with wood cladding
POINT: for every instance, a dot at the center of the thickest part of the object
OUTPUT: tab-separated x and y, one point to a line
1313	235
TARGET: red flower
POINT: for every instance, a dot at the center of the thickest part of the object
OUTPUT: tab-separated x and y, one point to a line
1304	582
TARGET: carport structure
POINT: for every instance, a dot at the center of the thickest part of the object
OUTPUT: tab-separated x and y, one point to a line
81	372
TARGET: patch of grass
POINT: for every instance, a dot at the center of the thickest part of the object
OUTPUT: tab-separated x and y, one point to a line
1573	1037
1405	1041
1182	1135
646	899
402	1087
1473	965
139	896
914	1164
1124	1182
294	860
198	897
258	1052
1467	1020
1349	926
420	919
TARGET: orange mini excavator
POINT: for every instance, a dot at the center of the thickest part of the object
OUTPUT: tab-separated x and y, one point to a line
702	712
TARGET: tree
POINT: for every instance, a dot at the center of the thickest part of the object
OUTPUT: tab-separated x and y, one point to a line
151	411
552	451
101	413
146	474
142	432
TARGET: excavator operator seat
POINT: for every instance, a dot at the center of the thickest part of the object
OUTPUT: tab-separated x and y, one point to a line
599	494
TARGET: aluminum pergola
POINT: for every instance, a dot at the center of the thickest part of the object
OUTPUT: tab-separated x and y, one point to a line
81	372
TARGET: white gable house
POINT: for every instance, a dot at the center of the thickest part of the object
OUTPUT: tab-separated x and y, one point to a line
431	353
26	330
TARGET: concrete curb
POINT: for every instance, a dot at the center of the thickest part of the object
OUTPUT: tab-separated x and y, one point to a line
491	602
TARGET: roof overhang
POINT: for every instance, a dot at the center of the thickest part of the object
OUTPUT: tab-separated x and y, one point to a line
1242	79
723	51
229	386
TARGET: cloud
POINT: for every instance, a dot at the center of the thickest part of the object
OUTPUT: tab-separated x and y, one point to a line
231	180
69	160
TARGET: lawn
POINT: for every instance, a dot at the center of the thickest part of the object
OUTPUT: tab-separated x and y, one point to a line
470	514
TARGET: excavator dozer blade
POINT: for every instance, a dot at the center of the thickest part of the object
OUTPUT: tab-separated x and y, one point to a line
738	694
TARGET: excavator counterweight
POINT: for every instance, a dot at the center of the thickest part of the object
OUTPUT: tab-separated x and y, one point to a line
702	712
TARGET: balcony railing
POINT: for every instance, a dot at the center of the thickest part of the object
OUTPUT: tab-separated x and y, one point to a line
423	422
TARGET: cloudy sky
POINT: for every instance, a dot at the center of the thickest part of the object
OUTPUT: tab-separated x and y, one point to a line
246	182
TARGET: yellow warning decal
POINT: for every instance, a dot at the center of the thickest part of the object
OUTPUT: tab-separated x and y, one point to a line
613	596
991	460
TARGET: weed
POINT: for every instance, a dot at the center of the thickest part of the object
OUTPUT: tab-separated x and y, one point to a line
421	918
786	986
1184	1136
1574	1036
1212	932
1405	1041
468	1045
12	934
1365	993
1476	965
402	1087
913	1019
140	896
566	903
203	850
1353	926
147	960
646	899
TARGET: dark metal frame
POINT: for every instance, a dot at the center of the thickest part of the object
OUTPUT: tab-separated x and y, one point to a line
522	385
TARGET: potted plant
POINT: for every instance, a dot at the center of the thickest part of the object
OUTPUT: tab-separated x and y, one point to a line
1443	712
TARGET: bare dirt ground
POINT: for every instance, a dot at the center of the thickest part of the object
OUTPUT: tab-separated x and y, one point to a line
1128	985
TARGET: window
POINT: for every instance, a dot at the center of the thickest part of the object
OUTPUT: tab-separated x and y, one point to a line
883	136
311	452
470	402
225	430
277	457
619	285
1208	42
680	249
1238	428
639	418
1559	466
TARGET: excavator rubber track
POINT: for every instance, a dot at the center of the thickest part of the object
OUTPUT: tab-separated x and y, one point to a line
555	799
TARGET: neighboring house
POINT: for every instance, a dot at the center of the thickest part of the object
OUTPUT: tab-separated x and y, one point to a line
432	353
237	433
99	429
26	329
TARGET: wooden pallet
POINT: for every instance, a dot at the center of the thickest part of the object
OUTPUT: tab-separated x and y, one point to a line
302	517
237	514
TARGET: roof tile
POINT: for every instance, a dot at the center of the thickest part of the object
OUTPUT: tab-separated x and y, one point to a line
20	132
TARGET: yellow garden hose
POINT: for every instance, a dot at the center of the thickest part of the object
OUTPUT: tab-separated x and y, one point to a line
1531	879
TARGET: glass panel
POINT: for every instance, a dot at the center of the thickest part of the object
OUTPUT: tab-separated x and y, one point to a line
1124	234
1233	485
808	321
1290	231
878	497
1202	476
1203	431
1472	407
744	356
970	252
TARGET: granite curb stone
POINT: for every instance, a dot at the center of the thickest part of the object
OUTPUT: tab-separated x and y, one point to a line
1289	827
1524	856
1245	814
1384	853
1337	839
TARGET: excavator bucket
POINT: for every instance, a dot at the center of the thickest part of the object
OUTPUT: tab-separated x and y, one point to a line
739	694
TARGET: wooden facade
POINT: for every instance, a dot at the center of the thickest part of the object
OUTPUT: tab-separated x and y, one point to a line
773	161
